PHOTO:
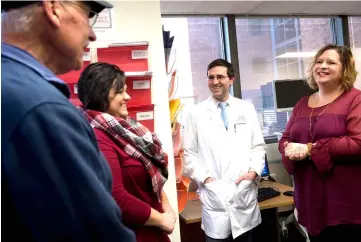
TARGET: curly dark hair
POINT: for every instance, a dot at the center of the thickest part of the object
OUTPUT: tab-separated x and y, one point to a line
95	83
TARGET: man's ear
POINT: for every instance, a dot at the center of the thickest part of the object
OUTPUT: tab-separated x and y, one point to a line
232	80
53	12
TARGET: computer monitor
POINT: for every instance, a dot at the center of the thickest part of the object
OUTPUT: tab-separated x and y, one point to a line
265	171
288	92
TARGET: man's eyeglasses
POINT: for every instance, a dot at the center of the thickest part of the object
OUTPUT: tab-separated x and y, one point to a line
218	77
93	16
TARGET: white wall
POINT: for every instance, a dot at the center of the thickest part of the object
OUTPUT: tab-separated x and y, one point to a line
141	21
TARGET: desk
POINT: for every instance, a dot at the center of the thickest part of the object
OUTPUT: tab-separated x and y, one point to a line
191	217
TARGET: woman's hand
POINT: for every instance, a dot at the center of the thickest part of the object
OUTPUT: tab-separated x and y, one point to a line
169	216
296	151
168	222
168	209
165	221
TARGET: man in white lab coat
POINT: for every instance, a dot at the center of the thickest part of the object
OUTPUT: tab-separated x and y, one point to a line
224	153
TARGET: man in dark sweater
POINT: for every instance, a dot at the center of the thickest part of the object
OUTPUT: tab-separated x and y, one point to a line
55	182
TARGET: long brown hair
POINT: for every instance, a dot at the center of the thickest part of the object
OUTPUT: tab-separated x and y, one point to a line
349	73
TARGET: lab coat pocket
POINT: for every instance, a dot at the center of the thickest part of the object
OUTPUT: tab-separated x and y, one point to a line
213	195
244	194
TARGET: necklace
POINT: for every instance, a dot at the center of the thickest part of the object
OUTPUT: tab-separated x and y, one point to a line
310	118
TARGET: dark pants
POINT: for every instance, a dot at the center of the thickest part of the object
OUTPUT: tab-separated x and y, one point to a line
339	233
246	237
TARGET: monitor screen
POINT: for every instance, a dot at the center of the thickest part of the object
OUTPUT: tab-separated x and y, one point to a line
288	92
265	171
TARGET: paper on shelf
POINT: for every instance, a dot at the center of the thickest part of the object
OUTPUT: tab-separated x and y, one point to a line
86	56
138	73
136	43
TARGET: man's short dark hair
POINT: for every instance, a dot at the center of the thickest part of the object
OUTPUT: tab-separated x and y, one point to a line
222	62
95	83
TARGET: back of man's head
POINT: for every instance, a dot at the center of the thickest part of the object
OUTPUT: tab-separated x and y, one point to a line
54	32
96	6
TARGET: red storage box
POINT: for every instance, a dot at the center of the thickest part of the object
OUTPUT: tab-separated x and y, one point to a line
127	58
144	114
76	102
71	78
139	88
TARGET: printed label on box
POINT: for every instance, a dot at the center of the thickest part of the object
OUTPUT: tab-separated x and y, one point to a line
138	73
76	89
145	116
143	84
139	54
86	56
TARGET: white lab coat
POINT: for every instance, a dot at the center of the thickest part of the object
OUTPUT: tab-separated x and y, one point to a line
212	151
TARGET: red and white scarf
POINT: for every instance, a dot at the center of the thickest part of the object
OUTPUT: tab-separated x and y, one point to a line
137	141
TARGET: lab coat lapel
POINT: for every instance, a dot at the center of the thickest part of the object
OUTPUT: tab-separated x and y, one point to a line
217	133
231	138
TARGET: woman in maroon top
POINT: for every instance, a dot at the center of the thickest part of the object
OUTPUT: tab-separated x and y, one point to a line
134	154
321	147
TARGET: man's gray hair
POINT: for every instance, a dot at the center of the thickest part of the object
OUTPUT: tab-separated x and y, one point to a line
18	20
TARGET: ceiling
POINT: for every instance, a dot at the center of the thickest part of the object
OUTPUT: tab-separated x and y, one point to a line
250	8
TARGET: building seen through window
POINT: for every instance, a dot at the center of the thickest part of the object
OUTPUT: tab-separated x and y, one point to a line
268	49
284	50
354	26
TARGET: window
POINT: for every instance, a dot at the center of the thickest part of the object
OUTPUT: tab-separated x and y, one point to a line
290	29
197	42
280	33
355	41
278	52
259	64
255	26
